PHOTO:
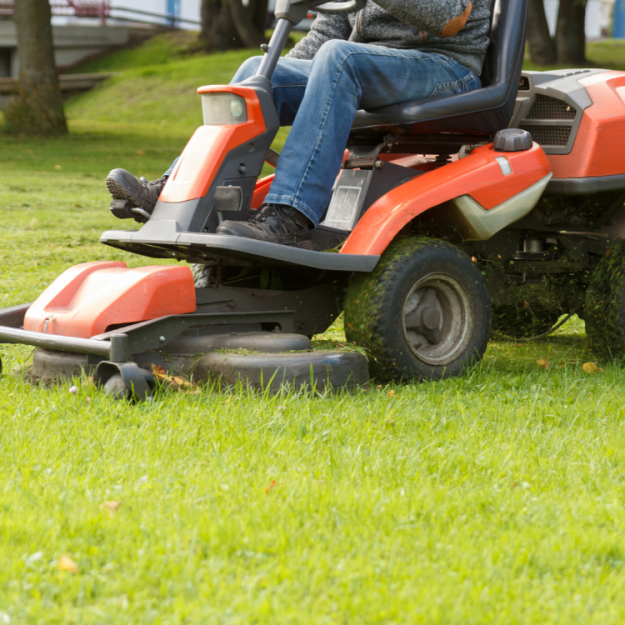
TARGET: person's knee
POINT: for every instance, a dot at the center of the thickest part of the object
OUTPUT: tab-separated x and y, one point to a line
248	68
334	56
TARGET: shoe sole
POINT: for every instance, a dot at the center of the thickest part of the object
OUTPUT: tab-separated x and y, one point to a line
118	192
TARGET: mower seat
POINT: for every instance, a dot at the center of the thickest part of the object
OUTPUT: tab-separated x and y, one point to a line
481	112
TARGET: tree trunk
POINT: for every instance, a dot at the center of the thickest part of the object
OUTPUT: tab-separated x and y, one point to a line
227	24
252	37
571	32
38	107
541	44
258	12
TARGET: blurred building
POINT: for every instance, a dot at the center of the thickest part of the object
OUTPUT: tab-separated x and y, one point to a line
84	28
598	17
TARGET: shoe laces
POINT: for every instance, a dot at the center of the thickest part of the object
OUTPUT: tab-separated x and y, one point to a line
268	210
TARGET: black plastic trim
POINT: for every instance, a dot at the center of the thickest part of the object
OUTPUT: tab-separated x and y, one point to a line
13	317
483	111
249	250
584	186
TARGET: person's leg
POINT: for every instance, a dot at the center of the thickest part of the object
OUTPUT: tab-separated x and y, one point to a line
288	87
345	77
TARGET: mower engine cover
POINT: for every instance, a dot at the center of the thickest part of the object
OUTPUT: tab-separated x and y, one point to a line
91	298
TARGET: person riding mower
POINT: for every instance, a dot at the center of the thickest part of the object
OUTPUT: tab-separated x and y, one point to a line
497	206
388	52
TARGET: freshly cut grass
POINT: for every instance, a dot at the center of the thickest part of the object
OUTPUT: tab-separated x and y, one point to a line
497	497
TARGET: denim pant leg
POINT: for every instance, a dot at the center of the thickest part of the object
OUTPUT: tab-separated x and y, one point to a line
345	77
288	85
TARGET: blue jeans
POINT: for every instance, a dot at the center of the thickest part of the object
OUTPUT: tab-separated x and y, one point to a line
319	99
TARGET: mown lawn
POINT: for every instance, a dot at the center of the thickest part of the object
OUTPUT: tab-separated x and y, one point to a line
495	498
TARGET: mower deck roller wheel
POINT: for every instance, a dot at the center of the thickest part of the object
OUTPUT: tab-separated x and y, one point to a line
604	311
124	381
424	313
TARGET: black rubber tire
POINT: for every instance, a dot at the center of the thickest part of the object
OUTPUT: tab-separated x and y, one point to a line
604	312
375	309
116	388
523	323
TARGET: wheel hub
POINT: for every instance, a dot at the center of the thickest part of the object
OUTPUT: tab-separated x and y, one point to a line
438	319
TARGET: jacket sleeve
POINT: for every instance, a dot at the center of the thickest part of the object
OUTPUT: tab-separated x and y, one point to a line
442	18
324	28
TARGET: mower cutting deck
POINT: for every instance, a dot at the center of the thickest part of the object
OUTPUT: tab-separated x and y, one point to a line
514	219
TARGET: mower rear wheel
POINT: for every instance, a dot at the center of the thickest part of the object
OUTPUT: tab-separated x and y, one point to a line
423	313
604	311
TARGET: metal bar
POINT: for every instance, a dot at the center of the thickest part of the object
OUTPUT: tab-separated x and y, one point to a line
53	341
119	351
13	317
157	15
274	49
140	337
156	333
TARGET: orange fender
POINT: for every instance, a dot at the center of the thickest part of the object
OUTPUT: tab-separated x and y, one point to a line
598	148
87	299
478	175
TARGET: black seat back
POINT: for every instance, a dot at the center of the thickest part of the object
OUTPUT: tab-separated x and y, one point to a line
481	112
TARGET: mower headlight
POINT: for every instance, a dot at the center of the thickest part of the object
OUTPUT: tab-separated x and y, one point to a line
222	109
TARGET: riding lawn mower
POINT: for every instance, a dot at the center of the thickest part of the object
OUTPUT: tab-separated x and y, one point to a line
499	209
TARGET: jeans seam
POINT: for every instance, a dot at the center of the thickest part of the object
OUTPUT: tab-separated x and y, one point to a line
325	119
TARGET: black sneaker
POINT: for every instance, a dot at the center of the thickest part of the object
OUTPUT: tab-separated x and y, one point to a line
133	197
274	223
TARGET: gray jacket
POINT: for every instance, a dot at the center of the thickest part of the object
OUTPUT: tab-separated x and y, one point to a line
456	28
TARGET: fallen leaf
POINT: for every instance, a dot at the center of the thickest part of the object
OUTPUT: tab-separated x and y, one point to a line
545	364
526	304
591	367
174	381
67	564
111	506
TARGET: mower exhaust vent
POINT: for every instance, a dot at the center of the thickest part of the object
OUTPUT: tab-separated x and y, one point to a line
550	106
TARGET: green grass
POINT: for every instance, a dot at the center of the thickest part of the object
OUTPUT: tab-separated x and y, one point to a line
494	498
606	54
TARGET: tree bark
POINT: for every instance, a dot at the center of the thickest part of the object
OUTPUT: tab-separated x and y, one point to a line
227	24
571	32
258	12
251	36
542	46
38	107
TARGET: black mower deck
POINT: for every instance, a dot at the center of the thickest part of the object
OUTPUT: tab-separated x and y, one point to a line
257	348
